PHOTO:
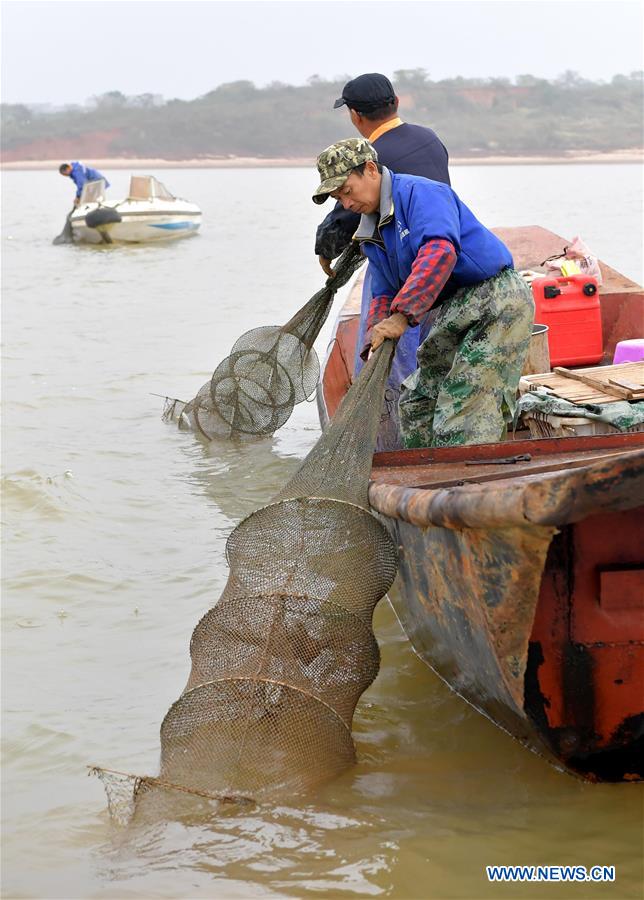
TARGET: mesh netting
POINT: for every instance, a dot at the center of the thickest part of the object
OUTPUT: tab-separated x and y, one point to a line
129	794
237	638
264	737
269	370
316	547
339	464
290	353
280	662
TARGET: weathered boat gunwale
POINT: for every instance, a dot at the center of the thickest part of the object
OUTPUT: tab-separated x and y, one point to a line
543	499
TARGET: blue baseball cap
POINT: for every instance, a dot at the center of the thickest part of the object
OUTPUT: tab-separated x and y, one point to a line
366	93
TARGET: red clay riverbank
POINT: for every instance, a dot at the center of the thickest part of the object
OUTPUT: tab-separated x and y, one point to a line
241	162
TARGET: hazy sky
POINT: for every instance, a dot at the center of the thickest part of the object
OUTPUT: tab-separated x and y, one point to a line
64	52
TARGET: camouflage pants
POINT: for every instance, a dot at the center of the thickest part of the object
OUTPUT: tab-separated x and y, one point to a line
464	389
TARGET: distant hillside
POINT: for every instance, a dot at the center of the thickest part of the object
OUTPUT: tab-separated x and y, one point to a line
474	117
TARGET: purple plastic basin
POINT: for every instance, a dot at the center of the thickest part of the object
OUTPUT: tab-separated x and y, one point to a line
629	351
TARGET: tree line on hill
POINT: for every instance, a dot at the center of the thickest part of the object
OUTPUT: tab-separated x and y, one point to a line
473	116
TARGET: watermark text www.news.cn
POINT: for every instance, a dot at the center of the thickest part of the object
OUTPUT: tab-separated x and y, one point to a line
550	873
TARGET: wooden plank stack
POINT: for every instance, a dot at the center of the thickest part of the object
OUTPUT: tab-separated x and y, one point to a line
597	384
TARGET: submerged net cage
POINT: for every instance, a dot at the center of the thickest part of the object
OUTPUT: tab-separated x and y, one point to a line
269	370
280	662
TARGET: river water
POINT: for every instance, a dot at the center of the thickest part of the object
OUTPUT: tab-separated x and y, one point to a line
114	533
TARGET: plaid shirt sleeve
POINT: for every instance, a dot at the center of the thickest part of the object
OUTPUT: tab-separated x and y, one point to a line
378	310
431	269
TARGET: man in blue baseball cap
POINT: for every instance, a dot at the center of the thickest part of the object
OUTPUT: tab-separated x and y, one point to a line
403	148
366	92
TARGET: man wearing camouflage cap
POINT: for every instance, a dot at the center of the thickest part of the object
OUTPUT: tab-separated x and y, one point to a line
336	163
372	105
426	249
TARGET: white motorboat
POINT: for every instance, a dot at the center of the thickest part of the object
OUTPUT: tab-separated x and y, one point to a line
149	213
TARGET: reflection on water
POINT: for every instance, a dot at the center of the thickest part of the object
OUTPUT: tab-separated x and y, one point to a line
236	476
115	525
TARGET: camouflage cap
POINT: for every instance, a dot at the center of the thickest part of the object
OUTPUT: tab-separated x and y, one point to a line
336	162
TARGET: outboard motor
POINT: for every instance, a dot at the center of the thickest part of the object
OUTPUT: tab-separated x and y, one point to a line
102	215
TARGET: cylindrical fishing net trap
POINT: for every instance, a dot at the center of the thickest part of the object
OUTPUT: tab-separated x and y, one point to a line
280	662
269	370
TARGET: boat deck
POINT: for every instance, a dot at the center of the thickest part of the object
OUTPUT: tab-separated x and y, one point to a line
459	466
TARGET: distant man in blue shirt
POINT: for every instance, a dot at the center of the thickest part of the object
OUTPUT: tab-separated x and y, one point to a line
80	175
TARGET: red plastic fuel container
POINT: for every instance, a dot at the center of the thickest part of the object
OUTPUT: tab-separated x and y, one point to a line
570	308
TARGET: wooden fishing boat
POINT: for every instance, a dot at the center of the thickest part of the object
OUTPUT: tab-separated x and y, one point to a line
521	578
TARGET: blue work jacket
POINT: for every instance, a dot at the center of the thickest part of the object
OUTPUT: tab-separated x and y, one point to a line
416	210
81	174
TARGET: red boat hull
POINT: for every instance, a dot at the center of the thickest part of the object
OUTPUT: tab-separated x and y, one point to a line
522	585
